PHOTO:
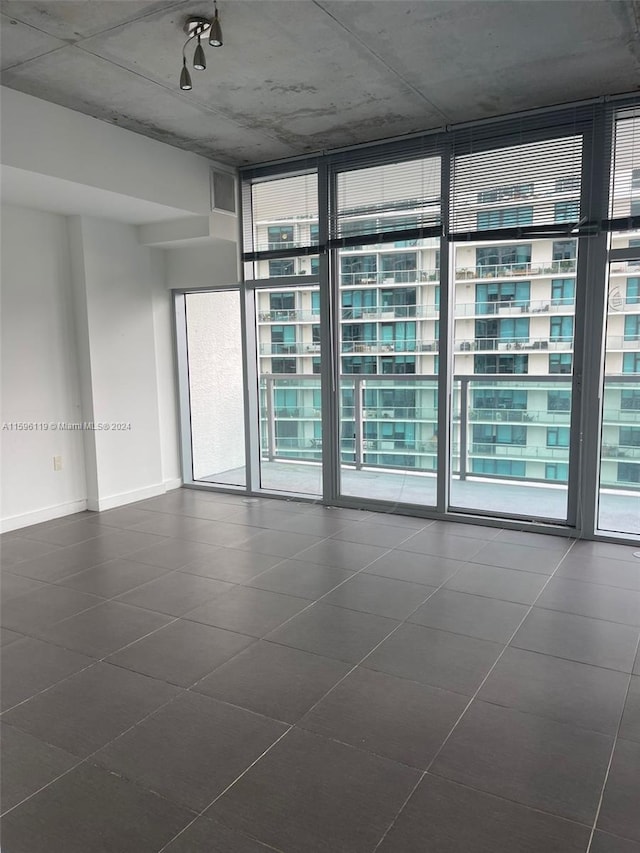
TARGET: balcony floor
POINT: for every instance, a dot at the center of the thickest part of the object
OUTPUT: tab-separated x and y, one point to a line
619	511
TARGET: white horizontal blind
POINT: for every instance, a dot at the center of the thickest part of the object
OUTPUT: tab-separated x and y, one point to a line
521	185
375	202
284	214
625	166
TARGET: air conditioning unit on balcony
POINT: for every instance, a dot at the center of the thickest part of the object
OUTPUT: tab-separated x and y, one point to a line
387	413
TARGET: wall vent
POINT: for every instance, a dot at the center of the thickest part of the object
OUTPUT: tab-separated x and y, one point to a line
223	191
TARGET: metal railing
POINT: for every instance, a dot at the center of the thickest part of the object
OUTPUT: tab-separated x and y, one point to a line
391	422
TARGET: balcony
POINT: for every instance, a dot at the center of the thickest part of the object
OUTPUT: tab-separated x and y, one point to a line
515	344
553	268
514	307
389	443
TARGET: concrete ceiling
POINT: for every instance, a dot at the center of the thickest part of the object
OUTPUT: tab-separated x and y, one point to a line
297	76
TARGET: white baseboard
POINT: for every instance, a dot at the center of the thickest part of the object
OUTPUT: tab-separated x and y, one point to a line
170	485
124	498
15	522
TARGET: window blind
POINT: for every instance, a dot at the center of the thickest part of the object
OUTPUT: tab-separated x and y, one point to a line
522	177
283	215
624	195
396	200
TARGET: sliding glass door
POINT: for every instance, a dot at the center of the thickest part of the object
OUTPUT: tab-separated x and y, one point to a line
422	324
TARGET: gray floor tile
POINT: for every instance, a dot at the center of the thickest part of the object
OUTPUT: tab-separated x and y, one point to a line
519	557
342	555
112	578
86	711
31	666
181	653
630	726
67	534
601	570
278	543
372	533
19	549
309	793
250	611
606	550
535	540
562	690
396	519
538	762
172	553
168	524
494	582
589	599
578	638
392	717
104	629
75	558
277	681
28	764
472	531
446	817
224	534
620	814
210	836
415	568
192	749
230	564
443	545
438	658
122	517
90	809
175	593
473	615
11	586
313	524
383	596
334	632
36	610
603	842
295	577
7	637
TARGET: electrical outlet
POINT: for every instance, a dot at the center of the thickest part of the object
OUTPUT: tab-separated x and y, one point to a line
57	463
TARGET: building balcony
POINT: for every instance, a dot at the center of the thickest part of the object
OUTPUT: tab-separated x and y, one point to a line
513	345
514	307
507	271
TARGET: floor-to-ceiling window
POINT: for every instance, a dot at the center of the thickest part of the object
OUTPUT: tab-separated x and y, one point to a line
619	469
420	330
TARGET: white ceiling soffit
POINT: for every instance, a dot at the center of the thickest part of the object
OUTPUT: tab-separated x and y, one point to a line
296	76
55	195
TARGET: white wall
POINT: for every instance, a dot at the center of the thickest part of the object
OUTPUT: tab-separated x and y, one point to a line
87	308
41	137
202	265
116	286
40	381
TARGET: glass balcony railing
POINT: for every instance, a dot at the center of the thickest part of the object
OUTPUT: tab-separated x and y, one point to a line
563	267
503	427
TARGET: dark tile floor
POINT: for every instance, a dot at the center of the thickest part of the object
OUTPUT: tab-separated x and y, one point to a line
201	672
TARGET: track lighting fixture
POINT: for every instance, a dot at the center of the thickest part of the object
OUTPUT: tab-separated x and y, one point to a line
197	28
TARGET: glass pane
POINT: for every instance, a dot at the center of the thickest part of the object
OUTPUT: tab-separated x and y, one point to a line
514	306
288	337
389	311
214	346
285	213
619	494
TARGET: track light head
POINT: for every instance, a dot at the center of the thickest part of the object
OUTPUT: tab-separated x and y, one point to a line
185	77
199	59
215	34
